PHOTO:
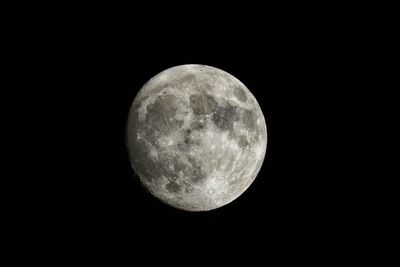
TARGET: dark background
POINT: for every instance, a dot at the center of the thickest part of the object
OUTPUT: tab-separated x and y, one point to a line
295	191
74	70
299	68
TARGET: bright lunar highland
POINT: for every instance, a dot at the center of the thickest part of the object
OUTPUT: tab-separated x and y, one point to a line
196	137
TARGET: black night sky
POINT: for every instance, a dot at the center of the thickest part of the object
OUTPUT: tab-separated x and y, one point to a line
295	71
293	187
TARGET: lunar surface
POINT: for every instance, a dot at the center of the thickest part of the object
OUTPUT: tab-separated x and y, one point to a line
196	137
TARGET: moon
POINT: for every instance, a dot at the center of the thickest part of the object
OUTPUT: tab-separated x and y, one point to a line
196	137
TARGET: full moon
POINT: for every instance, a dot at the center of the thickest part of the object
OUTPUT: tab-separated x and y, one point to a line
196	137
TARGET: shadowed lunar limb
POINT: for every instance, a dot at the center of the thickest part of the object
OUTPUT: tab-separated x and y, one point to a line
196	137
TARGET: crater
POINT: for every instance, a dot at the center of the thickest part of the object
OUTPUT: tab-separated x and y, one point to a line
173	187
242	141
188	78
240	94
